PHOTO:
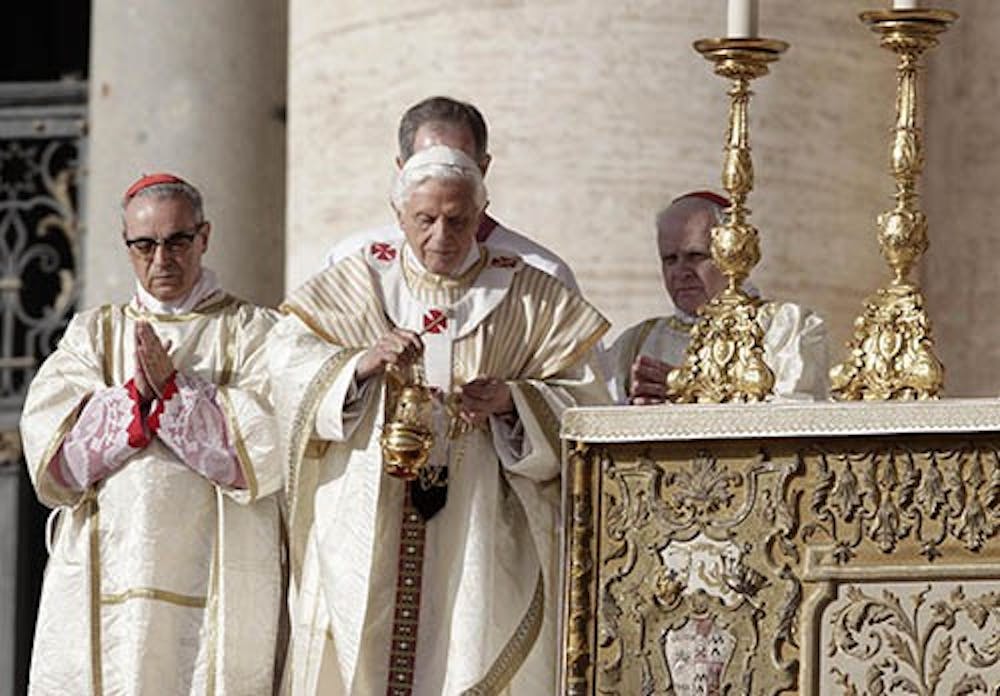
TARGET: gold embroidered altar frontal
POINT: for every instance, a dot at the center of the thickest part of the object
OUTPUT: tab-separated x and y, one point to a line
843	549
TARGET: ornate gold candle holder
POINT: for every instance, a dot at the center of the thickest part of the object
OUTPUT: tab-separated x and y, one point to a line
892	352
725	359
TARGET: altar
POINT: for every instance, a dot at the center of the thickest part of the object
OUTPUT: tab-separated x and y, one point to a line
814	548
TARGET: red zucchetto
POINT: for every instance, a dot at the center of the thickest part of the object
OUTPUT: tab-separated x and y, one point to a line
710	196
147	180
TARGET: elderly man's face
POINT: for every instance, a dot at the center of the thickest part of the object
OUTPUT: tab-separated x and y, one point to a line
690	276
170	269
440	219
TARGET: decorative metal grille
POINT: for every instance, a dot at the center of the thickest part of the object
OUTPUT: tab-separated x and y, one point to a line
42	150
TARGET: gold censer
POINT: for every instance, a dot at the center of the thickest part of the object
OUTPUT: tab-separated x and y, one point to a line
408	437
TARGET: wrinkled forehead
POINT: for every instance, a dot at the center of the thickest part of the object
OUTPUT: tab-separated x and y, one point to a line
686	230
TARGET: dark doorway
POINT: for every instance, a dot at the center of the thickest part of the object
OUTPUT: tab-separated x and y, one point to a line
45	40
47	44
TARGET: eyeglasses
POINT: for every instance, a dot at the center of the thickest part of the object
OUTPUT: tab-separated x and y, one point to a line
177	243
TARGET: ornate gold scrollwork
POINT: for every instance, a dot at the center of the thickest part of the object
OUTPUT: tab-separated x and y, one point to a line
888	496
691	562
891	354
908	649
744	554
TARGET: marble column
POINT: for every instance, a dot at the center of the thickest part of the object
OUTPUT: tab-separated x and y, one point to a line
196	88
600	113
960	189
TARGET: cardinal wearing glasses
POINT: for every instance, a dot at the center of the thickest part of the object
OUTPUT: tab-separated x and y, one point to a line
151	434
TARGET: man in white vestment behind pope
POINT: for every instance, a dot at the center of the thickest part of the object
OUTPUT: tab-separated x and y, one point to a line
446	584
795	346
150	431
459	125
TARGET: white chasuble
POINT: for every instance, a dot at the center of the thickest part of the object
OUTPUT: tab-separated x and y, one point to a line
160	581
487	609
795	348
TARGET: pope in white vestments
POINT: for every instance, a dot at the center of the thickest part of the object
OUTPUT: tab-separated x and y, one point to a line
795	346
460	125
448	584
150	431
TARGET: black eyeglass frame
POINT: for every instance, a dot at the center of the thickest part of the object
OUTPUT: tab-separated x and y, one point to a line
176	243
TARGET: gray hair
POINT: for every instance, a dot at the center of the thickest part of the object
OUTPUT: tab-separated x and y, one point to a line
439	163
687	205
171	190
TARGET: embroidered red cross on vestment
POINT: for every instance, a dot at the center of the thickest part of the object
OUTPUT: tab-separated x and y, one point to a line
435	321
503	262
383	251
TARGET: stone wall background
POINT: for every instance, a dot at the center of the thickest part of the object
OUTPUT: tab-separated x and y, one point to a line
960	192
197	89
600	113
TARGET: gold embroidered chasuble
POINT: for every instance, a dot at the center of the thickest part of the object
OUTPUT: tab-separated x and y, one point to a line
490	570
159	581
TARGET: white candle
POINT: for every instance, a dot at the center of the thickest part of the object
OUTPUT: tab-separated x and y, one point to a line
742	19
904	4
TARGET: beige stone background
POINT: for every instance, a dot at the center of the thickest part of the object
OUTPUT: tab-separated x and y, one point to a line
962	185
600	112
196	88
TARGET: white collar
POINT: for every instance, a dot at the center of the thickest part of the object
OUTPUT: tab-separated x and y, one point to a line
684	318
207	285
470	259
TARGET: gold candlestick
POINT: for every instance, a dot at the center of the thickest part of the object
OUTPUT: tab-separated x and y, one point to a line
892	352
725	359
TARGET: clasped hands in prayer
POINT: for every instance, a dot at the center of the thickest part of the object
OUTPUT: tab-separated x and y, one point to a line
481	398
648	381
153	366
